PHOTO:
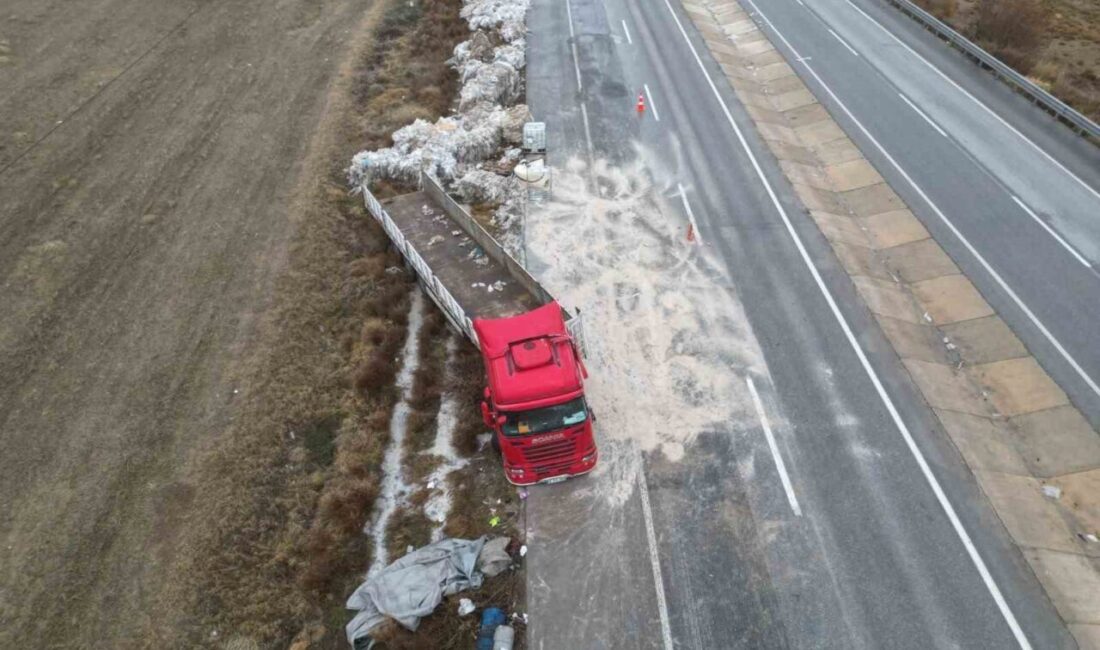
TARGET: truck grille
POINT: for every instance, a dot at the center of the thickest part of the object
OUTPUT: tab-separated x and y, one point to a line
536	454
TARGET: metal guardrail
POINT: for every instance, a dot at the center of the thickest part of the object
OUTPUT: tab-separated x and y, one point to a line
1022	84
432	283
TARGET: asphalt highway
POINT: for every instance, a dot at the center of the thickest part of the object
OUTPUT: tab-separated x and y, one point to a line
841	516
1013	196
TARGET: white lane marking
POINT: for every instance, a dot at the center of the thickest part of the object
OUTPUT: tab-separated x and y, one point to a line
587	129
979	103
652	106
626	30
654	560
690	213
951	226
573	47
779	465
800	2
937	490
843	42
921	113
1064	243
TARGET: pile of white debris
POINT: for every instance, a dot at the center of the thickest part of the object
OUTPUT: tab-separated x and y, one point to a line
487	124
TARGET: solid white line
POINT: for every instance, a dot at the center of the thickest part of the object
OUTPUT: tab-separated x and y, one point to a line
1050	230
573	47
652	106
843	42
587	130
921	113
951	226
626	31
937	490
979	103
654	560
779	465
690	214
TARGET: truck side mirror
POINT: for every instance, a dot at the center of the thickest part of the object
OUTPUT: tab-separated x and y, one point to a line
486	417
501	420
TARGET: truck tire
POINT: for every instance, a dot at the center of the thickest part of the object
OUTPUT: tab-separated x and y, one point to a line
495	443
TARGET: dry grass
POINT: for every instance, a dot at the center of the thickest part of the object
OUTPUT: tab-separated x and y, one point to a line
279	545
1054	42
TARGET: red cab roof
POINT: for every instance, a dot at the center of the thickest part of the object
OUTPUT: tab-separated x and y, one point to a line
529	358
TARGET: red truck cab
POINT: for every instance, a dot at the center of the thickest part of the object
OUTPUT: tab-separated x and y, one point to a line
534	400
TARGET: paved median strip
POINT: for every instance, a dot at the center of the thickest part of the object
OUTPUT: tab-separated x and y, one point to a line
1034	455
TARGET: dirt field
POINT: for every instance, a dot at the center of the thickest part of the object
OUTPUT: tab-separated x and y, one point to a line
151	166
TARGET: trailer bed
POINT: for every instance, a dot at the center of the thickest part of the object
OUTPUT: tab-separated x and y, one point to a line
479	283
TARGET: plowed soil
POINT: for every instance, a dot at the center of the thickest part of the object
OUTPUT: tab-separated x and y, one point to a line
150	156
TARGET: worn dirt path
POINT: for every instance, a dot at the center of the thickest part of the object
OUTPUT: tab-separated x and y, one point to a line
148	153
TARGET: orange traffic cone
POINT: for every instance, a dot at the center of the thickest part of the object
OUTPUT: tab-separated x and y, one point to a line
641	104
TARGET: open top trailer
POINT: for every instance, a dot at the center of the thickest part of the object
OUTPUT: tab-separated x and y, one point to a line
532	348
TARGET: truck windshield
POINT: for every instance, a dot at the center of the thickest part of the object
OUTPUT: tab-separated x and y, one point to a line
545	419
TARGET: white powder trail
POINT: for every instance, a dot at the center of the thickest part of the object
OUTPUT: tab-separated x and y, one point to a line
438	506
394	488
668	339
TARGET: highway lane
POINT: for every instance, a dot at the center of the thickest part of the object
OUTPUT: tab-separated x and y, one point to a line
867	558
1011	195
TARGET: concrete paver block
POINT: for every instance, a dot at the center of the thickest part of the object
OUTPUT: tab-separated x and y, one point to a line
728	58
822	200
751	93
766	58
1081	497
774	71
1057	441
783	85
873	199
1086	635
720	44
816	133
735	70
766	118
737	27
1031	518
894	228
807	115
950	299
946	389
919	260
1018	386
886	299
913	340
839	228
753	47
985	444
806	175
984	340
837	151
708	27
859	259
793	99
792	152
853	174
1072	581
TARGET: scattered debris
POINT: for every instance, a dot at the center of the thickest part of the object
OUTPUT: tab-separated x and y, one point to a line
1052	491
494	558
494	521
412	587
465	607
523	551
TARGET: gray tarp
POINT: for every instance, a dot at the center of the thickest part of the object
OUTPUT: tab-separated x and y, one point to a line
411	587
